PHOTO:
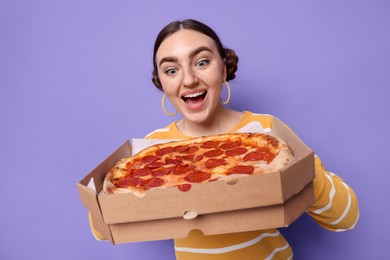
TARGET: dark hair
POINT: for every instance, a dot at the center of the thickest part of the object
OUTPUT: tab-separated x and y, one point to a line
228	55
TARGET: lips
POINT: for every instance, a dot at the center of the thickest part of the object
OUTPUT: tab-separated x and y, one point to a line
194	97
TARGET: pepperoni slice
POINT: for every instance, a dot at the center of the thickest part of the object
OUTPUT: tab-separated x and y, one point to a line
230	145
149	159
236	151
155	165
142	172
164	151
152	183
172	161
253	156
184	187
192	149
162	171
213	153
128	181
260	154
272	141
198	158
197	176
241	169
189	157
181	148
181	169
212	163
179	158
268	155
209	144
128	165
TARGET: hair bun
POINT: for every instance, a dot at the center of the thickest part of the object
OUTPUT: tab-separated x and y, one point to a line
231	64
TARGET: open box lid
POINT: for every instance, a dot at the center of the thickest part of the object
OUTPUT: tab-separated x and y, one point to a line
249	192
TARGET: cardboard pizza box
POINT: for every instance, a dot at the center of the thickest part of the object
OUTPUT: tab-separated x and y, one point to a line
260	201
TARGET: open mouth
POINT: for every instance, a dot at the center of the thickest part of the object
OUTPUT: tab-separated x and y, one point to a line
194	98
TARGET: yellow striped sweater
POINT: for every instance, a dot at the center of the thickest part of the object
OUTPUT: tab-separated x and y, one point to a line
335	208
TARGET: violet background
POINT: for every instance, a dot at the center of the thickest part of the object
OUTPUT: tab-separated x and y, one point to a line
75	84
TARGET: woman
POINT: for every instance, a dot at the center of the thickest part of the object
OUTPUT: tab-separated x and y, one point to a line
190	68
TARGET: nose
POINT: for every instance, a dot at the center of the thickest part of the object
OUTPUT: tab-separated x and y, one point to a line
190	78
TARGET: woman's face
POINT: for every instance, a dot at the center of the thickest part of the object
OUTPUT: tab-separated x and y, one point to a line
191	73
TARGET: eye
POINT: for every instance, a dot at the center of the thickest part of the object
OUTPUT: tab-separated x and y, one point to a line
202	63
171	71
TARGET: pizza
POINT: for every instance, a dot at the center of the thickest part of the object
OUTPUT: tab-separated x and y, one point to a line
197	160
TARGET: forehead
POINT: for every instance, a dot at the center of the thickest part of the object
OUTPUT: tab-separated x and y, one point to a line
183	42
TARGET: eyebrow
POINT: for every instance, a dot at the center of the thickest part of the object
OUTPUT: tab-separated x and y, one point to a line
191	55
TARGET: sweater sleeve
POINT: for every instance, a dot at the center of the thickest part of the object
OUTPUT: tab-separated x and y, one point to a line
335	205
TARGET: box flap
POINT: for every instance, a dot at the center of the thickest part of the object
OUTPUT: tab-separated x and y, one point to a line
299	148
100	171
301	171
297	175
89	196
298	203
89	199
101	227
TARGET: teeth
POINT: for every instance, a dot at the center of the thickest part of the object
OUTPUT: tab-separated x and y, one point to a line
194	95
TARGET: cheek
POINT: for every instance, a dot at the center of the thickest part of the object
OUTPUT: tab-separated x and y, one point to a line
169	87
165	82
218	87
166	86
215	81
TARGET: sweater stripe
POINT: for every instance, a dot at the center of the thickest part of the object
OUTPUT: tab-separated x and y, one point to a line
331	195
160	130
346	209
351	227
228	248
275	251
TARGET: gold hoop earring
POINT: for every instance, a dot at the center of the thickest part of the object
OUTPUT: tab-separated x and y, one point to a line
163	107
228	98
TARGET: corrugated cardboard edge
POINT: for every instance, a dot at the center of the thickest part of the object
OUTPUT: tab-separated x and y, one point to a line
210	224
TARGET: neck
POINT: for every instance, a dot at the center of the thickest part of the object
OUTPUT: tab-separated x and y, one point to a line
222	121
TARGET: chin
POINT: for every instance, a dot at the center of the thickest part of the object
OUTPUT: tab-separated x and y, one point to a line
199	118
